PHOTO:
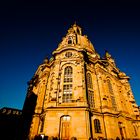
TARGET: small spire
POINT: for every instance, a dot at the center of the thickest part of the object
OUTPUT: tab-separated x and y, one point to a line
75	24
46	60
107	55
109	58
75	29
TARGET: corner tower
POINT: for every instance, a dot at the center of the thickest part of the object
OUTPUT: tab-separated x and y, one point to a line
80	95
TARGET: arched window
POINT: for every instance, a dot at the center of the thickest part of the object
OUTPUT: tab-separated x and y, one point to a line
70	40
89	81
78	31
90	90
112	97
67	87
110	87
97	126
68	74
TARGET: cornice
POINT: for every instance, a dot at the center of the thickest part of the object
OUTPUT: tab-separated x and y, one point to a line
68	48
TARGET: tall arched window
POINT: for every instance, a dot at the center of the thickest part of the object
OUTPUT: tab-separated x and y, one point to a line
111	94
67	87
97	126
89	81
90	90
68	74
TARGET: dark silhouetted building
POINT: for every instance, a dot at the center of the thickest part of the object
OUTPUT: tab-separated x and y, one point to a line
10	123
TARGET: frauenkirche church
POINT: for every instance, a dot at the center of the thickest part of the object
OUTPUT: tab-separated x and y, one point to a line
77	95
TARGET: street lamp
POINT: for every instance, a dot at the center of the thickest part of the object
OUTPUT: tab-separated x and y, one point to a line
42	136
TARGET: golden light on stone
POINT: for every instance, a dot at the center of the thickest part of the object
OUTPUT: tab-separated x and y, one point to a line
82	96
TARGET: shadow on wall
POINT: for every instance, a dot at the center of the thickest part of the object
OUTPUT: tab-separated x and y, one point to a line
28	112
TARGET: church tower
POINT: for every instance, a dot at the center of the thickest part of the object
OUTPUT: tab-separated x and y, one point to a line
78	95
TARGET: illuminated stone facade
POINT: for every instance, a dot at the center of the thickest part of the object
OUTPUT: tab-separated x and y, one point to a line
78	94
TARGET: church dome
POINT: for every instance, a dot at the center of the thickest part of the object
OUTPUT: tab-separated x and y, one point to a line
75	40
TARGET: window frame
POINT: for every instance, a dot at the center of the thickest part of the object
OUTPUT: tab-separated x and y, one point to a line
67	85
112	96
90	90
97	126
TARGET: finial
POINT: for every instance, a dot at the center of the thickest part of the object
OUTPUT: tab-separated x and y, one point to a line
46	60
75	24
75	29
107	55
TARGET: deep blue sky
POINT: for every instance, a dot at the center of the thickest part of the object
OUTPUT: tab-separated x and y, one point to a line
30	31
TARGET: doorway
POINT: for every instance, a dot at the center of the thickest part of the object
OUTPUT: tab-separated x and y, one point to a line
65	128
